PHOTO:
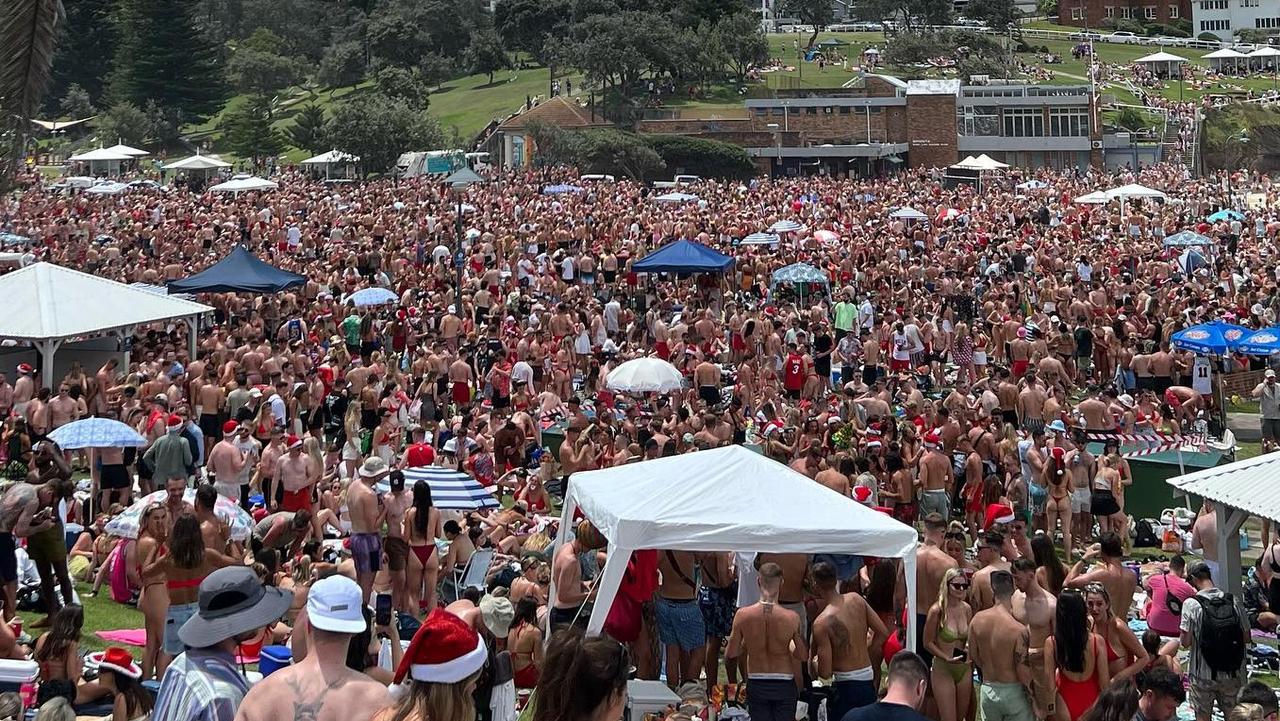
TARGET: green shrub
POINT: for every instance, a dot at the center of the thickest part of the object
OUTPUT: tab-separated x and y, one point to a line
705	158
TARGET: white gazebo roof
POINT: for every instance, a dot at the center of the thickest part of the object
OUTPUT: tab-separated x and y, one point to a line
197	162
101	155
1224	54
333	156
1266	51
126	150
1161	57
982	162
240	185
1133	190
46	302
727	499
1237	484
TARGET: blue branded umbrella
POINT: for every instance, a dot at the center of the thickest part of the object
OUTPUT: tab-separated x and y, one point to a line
1226	214
96	433
1265	342
1214	338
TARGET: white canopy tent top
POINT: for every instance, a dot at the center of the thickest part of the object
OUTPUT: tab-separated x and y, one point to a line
197	162
1161	57
123	149
101	155
980	163
333	156
727	499
241	185
1133	190
1223	54
47	304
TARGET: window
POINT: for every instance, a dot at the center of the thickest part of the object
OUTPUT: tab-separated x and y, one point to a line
1213	25
1150	12
1213	4
1068	122
978	120
1126	13
811	110
1248	3
1023	123
1109	11
844	109
760	111
1173	12
1266	23
1077	13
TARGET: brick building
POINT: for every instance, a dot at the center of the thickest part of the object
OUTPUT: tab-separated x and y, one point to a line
883	123
1093	13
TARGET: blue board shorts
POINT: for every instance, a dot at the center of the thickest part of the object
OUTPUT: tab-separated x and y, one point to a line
680	623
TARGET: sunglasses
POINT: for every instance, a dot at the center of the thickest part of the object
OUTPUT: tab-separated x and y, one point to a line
959	586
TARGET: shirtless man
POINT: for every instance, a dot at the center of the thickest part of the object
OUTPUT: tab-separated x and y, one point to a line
1095	413
1035	608
296	476
771	638
212	403
1185	402
706	378
680	623
1204	537
1119	581
367	514
397	503
460	380
1083	467
932	563
989	561
936	479
836	479
571	592
321	687
62	408
226	462
840	650
1031	402
998	644
24	389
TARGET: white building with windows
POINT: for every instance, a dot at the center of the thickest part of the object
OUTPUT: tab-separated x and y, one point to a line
1226	17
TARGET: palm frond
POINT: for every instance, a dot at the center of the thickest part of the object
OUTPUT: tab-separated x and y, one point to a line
28	37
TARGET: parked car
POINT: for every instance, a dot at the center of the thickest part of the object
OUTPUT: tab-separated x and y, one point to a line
1086	35
678	182
1124	37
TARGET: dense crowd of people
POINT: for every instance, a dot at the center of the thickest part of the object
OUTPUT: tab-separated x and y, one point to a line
947	373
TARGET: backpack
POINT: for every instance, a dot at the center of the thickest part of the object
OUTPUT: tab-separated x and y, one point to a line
1220	637
1145	535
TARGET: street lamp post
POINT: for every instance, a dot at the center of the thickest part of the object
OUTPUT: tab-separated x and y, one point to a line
459	181
777	139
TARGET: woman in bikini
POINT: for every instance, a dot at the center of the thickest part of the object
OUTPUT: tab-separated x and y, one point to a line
946	634
1074	657
1125	655
422	528
1104	505
524	641
153	529
534	496
183	565
1058	506
58	654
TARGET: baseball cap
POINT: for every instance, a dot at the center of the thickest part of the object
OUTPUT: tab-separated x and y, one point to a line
335	604
1269	374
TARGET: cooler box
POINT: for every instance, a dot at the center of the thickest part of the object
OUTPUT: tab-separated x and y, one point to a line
648	697
274	658
15	673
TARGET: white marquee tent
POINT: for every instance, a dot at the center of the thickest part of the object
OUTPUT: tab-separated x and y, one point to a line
106	159
244	184
47	305
197	162
727	499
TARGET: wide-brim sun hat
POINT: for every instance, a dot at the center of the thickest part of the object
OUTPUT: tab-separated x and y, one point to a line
233	601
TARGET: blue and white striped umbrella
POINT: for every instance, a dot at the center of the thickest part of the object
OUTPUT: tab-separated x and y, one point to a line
785	226
96	433
372	296
14	239
760	239
676	197
450	489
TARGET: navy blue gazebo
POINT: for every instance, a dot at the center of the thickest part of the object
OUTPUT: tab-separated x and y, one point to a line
684	256
239	272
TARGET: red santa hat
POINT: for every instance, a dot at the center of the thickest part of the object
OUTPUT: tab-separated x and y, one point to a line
25	368
932	439
444	650
229	428
173	422
997	513
294	442
861	494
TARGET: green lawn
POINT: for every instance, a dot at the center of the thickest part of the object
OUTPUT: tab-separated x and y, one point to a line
100	614
469	103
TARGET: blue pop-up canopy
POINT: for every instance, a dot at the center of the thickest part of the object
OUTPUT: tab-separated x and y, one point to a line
684	256
239	272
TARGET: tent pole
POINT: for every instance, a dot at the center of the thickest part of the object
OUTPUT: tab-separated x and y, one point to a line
48	348
909	571
1230	519
193	327
615	566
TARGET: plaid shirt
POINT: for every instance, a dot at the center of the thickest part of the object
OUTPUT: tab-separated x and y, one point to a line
200	685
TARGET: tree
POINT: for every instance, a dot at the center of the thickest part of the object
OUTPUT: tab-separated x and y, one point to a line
743	44
525	25
307	131
128	124
611	151
485	54
162	57
342	65
84	40
379	129
996	14
247	131
75	103
28	33
817	13
434	69
304	27
401	84
1132	120
396	39
258	70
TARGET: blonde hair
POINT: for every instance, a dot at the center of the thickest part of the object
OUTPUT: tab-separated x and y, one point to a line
427	701
57	708
1245	712
943	598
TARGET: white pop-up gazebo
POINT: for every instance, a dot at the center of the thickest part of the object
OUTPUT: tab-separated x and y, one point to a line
1162	63
333	160
105	158
1218	59
244	184
727	499
47	305
1132	190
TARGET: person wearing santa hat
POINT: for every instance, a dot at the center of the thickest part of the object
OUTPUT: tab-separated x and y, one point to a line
440	670
24	389
226	462
321	686
936	478
170	455
119	674
297	475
